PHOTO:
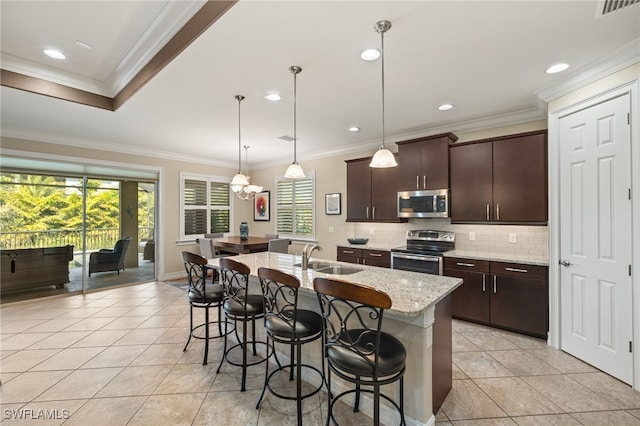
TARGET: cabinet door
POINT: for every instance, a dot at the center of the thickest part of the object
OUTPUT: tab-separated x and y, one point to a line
359	189
410	161
520	304
470	301
520	179
384	192
435	164
471	182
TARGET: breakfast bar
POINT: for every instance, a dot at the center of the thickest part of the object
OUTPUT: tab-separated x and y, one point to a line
419	301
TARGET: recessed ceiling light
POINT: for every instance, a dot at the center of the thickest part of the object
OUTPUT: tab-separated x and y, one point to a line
557	68
445	107
354	129
53	53
370	54
273	97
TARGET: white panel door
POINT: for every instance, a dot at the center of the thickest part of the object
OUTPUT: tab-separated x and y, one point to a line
595	236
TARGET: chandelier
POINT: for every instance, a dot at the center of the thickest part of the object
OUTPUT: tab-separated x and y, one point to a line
240	183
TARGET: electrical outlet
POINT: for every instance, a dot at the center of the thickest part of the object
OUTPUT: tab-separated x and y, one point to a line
372	231
331	230
513	238
472	236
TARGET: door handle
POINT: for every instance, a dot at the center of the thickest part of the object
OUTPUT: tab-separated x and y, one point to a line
373	212
367	212
484	286
497	211
565	263
487	211
494	284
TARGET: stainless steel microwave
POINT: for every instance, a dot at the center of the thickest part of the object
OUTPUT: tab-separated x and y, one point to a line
426	203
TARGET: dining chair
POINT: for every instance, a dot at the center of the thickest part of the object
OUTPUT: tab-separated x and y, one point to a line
271	236
355	347
280	245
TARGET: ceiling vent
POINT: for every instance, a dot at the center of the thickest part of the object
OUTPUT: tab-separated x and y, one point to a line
609	6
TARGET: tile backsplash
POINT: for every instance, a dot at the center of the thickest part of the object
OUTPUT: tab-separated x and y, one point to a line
529	240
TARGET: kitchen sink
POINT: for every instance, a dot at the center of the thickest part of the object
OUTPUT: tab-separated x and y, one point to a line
329	268
339	270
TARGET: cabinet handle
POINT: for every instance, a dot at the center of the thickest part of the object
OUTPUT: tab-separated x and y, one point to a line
424	181
347	251
487	211
375	255
469	265
484	283
524	271
417	182
367	212
494	284
497	211
364	261
373	212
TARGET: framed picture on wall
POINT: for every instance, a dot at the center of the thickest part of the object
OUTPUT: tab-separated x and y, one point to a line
332	203
262	206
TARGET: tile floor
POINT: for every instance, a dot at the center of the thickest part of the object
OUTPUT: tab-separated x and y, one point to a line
115	358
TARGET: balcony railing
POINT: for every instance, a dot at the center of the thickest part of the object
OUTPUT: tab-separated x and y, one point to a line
96	238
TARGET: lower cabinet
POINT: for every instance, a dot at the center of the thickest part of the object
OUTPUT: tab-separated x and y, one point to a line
361	256
512	296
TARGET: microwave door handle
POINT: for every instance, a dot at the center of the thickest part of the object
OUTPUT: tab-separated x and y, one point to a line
435	204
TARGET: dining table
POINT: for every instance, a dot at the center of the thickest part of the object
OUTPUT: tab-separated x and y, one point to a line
233	244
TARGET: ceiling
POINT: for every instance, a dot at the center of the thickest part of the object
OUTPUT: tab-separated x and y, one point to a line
486	58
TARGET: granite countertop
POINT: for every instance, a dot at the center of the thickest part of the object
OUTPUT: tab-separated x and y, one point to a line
411	292
499	257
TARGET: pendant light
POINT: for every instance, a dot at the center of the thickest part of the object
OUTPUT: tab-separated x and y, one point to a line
294	171
383	157
240	183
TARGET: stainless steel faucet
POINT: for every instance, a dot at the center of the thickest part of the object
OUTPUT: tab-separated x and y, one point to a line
306	254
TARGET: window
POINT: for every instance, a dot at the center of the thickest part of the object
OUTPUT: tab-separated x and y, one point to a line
295	201
205	204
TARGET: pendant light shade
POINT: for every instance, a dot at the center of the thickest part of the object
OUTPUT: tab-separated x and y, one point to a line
294	171
383	157
240	183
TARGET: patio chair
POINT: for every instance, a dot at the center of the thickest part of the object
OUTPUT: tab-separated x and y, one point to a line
106	260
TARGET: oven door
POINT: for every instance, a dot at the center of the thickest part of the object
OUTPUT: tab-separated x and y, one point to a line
417	263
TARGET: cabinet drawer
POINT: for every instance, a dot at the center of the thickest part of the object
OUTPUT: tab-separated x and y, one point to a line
519	270
349	251
461	264
378	255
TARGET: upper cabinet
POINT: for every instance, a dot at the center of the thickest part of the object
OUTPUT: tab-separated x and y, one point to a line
501	180
371	192
424	162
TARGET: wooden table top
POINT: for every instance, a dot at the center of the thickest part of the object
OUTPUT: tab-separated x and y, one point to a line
235	245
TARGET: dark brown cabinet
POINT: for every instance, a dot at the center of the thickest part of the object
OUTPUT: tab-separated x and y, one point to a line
502	180
424	162
506	295
371	192
360	256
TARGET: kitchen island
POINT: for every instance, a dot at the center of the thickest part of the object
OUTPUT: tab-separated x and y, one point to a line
417	301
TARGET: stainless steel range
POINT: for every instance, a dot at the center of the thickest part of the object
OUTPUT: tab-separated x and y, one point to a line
424	252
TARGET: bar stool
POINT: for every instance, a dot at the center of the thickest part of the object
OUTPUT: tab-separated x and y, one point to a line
287	324
240	306
203	296
356	348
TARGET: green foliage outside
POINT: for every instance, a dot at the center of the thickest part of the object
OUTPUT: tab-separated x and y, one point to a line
46	211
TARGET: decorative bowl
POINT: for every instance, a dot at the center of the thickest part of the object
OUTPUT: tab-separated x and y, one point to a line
358	240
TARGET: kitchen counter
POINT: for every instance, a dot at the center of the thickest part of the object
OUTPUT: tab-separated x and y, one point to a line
500	257
420	317
411	292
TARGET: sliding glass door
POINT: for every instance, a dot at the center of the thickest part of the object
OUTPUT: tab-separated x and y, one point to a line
65	234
